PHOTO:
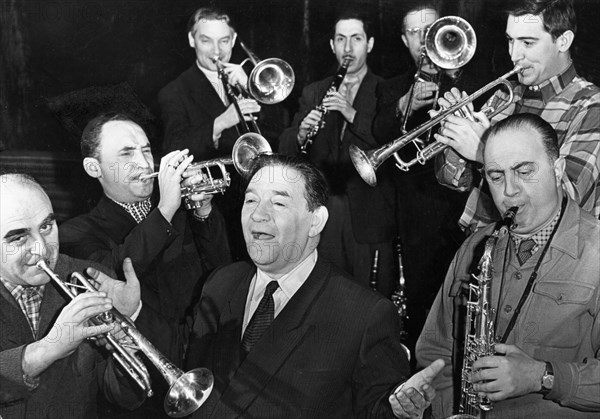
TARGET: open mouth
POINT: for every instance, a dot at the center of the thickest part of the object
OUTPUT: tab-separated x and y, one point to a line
259	235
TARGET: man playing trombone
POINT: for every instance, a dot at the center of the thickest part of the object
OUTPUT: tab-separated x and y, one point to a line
196	112
47	367
540	35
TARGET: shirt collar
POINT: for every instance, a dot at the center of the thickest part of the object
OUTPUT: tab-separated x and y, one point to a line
289	283
18	290
138	210
541	236
556	84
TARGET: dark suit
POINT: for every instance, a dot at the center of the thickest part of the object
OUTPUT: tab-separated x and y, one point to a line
332	352
68	388
189	105
371	210
170	259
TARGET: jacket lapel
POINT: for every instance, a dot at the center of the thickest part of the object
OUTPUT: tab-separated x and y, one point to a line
273	349
204	94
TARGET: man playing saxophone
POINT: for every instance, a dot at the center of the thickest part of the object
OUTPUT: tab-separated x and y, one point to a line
362	218
545	288
47	367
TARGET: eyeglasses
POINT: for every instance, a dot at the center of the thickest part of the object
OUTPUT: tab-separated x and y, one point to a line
416	31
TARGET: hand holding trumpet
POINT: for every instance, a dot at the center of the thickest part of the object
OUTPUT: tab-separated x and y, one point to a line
462	133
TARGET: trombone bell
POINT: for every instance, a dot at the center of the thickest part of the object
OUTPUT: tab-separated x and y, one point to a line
271	81
450	42
365	164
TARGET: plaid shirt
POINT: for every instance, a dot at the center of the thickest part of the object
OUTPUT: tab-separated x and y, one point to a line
138	210
572	106
30	301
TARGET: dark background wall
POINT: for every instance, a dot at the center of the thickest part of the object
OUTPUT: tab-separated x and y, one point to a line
62	59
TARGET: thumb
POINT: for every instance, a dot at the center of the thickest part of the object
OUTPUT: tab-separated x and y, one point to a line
130	276
501	348
429	373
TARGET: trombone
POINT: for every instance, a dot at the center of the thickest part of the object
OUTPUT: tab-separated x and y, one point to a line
269	82
367	162
450	43
187	391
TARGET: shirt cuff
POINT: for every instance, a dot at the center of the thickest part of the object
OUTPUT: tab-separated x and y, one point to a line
136	313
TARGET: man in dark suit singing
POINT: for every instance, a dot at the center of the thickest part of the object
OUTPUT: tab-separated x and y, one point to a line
290	335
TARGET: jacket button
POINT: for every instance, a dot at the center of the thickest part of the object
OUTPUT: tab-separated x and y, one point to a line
518	276
508	308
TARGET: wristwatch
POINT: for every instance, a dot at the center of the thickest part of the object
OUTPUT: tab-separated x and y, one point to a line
547	379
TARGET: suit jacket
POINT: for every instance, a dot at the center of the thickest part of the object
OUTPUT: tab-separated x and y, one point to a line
189	105
372	209
333	351
68	388
170	259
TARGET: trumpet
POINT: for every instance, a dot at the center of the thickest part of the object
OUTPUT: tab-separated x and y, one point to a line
245	150
187	391
338	78
367	162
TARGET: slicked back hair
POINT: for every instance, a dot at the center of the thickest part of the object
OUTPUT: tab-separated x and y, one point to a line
90	139
528	121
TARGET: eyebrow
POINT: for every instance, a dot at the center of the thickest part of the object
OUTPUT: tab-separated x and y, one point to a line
523	38
515	167
276	192
20	231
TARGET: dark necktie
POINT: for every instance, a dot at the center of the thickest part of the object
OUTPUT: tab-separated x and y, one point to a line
262	318
525	249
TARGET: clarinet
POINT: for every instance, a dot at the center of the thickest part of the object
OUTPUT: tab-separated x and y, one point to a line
333	87
374	270
399	296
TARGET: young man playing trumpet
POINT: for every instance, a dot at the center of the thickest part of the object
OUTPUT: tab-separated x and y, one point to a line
362	218
47	367
540	35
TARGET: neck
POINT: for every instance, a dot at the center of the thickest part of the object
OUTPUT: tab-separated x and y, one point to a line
358	74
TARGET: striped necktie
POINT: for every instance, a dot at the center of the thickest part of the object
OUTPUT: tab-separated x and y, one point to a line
262	318
524	251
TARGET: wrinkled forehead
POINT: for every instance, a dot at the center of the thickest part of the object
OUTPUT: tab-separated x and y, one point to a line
513	145
349	27
212	28
420	18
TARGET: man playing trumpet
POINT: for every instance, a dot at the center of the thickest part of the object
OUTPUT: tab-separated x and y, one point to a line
47	367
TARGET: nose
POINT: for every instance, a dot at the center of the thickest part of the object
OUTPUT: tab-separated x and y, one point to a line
512	187
348	45
142	160
516	52
40	247
422	37
261	212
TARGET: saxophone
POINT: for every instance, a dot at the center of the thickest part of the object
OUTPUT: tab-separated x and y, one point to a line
333	87
479	328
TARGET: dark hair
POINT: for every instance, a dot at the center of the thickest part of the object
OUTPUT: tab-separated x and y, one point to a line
90	138
208	13
417	7
523	121
558	16
354	14
316	190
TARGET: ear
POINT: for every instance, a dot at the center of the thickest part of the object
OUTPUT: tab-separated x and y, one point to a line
191	40
405	40
370	44
559	170
92	167
234	37
319	219
565	40
331	45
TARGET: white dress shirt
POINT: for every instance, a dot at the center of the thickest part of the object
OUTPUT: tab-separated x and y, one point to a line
289	284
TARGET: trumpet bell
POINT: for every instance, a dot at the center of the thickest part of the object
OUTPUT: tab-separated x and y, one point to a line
365	164
271	81
450	42
189	392
246	149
